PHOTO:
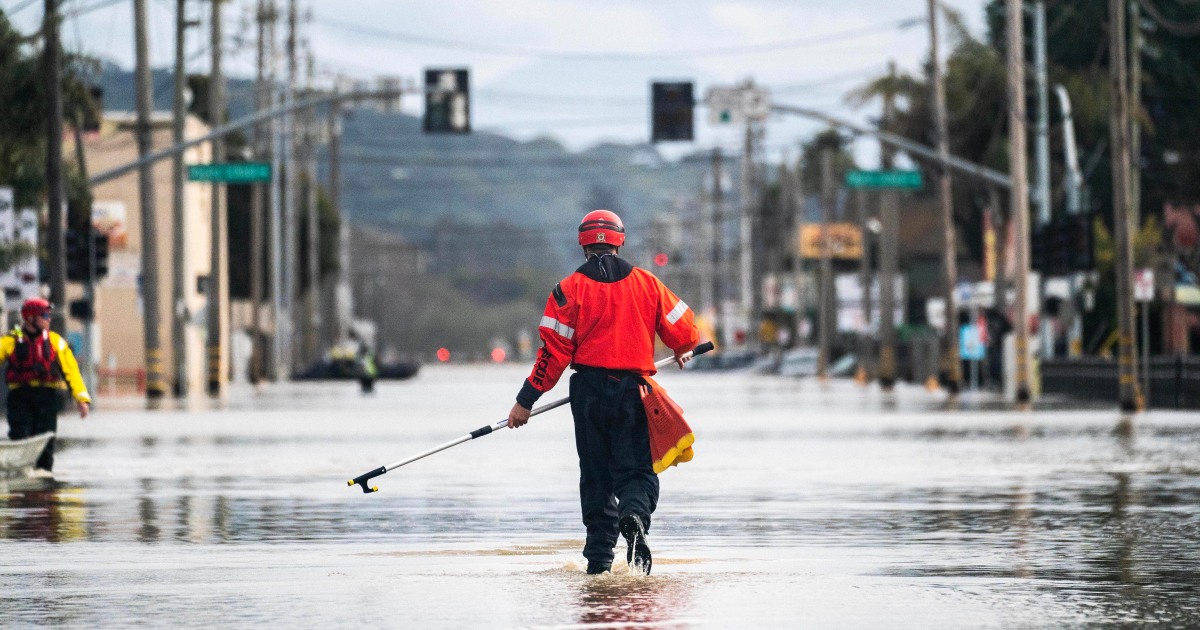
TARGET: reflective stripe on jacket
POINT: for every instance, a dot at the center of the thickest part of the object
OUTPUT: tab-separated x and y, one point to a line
43	361
605	315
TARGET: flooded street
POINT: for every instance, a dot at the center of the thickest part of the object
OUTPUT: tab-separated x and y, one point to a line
804	506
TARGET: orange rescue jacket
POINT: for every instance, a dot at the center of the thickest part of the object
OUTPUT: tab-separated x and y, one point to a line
605	315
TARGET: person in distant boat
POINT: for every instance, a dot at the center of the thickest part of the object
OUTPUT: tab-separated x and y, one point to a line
40	366
601	320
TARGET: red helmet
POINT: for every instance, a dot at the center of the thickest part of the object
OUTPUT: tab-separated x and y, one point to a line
34	307
601	226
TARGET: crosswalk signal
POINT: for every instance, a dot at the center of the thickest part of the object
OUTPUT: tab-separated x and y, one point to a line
672	106
447	101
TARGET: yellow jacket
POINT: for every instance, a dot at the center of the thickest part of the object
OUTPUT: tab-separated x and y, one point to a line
66	359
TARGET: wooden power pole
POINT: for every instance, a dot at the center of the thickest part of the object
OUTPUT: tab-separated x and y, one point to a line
1019	199
55	191
1129	397
216	272
145	104
949	242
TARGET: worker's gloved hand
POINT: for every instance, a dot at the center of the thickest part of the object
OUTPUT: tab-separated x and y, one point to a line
83	408
518	416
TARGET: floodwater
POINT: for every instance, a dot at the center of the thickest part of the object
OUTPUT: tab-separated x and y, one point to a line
805	505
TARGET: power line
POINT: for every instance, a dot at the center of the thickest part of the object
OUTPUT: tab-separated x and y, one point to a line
512	51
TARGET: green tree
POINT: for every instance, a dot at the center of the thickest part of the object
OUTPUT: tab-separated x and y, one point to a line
23	128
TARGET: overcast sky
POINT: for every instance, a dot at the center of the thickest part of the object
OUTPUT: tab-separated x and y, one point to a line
576	70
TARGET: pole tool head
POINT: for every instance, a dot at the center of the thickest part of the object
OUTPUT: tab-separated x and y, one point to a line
362	480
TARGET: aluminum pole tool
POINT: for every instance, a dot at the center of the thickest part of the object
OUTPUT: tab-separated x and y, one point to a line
362	479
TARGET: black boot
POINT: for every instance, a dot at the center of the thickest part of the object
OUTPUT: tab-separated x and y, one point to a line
637	552
596	568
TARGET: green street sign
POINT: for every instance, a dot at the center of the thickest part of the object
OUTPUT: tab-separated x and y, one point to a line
884	179
230	172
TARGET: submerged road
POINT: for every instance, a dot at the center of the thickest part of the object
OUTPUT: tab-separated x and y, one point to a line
806	505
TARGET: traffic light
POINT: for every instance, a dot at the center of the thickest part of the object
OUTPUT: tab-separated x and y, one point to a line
82	245
1080	243
671	111
447	101
1058	249
1037	249
81	310
100	252
77	255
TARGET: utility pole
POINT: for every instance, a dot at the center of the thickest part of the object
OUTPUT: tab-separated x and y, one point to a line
1135	126
718	230
1041	155
949	241
1019	199
341	286
313	337
287	257
145	103
1041	151
1130	397
216	275
746	237
178	272
86	356
262	101
828	197
864	280
889	224
55	193
796	196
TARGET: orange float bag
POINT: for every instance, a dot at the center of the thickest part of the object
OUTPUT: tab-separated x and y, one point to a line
671	438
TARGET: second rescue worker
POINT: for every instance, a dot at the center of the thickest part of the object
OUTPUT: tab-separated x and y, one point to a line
602	320
40	366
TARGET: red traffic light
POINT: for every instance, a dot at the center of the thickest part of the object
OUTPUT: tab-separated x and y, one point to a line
661	260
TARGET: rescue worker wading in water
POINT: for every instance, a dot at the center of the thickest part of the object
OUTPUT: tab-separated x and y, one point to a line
601	320
40	366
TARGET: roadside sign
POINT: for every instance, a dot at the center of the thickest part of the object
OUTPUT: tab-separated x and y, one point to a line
733	105
1143	285
970	343
884	179
724	106
230	172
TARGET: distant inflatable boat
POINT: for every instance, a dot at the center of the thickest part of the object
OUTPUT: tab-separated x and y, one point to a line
17	457
338	369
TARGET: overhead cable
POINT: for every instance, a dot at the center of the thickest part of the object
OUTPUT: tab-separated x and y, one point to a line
514	51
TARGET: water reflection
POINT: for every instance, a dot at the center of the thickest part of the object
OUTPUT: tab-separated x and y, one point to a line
46	511
615	600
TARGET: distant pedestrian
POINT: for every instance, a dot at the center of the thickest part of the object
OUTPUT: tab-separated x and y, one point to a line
40	367
601	320
368	371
